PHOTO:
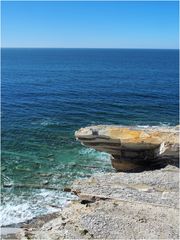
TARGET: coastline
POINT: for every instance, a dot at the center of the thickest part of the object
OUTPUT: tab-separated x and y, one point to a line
141	203
52	99
110	205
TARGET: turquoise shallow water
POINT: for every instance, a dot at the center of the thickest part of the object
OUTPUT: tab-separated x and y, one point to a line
47	94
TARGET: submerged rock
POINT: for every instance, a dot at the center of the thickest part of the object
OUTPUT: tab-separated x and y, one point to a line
132	147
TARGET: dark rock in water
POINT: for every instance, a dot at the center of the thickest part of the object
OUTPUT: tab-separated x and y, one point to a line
35	186
45	182
7	185
67	189
3	168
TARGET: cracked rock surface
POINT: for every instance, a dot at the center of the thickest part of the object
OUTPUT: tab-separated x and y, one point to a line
140	205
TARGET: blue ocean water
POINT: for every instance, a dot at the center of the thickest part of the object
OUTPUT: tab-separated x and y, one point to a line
47	94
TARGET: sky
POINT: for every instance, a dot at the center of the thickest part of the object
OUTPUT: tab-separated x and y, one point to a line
90	24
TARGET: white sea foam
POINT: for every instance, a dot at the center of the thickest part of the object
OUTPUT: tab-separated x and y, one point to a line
161	126
15	213
48	122
41	202
92	153
142	126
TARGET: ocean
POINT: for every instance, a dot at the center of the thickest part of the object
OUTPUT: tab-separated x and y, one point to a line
48	94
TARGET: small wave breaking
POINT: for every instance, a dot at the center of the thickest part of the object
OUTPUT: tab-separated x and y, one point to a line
92	153
39	203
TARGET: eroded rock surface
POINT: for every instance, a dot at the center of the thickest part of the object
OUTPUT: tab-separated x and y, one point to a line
160	187
118	206
132	147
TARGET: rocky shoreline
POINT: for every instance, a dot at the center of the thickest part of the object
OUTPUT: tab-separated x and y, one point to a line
143	205
139	203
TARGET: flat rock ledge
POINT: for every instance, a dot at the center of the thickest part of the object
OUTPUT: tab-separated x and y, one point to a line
133	147
143	205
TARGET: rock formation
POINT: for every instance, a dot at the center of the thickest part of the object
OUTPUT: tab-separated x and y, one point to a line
120	205
143	205
132	147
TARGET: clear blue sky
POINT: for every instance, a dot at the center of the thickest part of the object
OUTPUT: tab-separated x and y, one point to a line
90	24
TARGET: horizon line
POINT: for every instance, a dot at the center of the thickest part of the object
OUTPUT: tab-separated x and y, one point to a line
88	48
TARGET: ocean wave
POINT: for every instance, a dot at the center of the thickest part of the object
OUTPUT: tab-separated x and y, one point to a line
49	122
39	203
161	126
92	153
46	122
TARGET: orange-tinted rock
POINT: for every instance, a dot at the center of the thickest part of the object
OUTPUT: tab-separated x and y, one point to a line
131	146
